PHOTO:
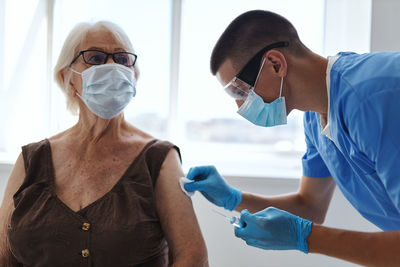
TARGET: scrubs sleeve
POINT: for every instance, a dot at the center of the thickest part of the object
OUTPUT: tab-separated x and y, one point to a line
375	129
313	165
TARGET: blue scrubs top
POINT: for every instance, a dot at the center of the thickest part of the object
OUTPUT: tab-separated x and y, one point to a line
363	156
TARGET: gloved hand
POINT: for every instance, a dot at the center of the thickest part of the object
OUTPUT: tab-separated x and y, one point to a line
210	183
275	229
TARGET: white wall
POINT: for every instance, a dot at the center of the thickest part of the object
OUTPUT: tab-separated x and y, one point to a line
347	26
5	170
385	25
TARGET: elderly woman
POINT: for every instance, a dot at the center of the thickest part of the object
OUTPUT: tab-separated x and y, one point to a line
102	193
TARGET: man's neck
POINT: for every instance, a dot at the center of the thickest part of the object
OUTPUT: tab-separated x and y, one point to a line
307	83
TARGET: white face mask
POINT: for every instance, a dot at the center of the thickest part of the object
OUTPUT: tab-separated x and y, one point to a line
107	89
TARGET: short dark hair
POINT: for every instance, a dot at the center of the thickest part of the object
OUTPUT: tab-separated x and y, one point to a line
249	33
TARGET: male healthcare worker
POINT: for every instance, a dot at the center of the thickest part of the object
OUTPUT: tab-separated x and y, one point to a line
352	130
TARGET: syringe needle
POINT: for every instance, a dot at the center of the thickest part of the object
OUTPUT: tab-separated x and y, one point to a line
220	213
235	221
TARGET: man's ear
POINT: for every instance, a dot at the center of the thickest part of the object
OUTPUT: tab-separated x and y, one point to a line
278	61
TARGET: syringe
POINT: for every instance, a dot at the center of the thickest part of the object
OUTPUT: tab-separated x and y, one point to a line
235	221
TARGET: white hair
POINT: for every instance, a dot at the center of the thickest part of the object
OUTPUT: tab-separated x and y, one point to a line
70	48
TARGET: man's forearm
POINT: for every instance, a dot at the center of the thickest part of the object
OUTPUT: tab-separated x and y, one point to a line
254	202
292	203
368	249
310	202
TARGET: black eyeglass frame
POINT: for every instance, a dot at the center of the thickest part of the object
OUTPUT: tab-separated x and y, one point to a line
105	60
249	72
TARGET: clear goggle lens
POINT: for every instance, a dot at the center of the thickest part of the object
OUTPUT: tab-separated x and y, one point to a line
237	89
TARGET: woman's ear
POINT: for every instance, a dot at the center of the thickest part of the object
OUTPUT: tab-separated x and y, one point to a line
278	62
71	90
65	75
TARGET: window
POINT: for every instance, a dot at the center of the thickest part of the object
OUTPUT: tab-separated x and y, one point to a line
177	97
24	78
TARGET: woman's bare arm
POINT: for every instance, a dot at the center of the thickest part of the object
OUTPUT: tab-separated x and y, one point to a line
177	216
7	206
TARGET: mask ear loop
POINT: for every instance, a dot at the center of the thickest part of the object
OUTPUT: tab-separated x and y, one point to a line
280	92
77	72
258	74
80	73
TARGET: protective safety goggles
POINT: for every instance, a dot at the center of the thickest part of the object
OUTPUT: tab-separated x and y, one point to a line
240	86
97	57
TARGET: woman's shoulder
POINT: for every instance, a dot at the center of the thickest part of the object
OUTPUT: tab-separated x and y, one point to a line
35	144
156	151
61	136
141	137
158	146
33	149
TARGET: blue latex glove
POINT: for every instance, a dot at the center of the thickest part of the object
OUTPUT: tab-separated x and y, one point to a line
210	183
275	229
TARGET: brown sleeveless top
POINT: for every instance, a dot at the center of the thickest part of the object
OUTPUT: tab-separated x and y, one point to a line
120	229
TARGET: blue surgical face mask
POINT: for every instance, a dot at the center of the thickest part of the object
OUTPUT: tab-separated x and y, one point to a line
107	89
255	110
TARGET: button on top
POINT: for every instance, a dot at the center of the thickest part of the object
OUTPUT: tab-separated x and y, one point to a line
85	226
85	253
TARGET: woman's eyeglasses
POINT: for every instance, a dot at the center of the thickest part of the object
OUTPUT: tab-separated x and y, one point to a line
97	57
